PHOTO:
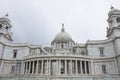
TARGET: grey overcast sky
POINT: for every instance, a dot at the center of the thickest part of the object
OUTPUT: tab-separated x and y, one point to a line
38	21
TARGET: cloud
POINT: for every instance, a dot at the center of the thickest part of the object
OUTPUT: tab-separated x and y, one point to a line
38	21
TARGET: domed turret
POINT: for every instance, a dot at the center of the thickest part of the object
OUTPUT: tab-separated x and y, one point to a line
5	18
114	17
113	22
62	39
5	29
113	11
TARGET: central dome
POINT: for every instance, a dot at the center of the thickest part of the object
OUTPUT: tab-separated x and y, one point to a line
62	36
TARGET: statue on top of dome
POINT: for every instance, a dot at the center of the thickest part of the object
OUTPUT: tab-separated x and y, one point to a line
112	7
63	30
6	15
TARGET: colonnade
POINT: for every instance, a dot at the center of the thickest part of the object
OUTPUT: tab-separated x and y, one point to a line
56	67
62	44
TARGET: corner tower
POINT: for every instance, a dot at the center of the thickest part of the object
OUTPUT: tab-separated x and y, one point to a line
113	32
5	29
114	23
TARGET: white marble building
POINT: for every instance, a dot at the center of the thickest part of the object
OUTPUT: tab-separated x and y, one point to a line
64	58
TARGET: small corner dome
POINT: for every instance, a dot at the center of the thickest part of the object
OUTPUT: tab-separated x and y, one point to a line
62	36
113	11
5	18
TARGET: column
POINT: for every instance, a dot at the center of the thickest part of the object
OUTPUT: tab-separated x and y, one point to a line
76	67
65	67
89	67
65	45
49	67
85	67
2	66
41	66
29	67
92	68
23	68
60	44
26	67
37	51
57	71
33	67
81	67
59	67
37	67
116	65
71	66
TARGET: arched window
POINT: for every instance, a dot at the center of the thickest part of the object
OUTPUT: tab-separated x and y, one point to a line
83	52
118	19
74	51
62	45
15	53
0	26
12	69
104	69
7	27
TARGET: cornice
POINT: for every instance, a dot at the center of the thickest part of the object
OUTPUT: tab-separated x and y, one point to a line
6	36
80	45
111	30
68	57
97	42
21	45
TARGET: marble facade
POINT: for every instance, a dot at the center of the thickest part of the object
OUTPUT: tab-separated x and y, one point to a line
64	59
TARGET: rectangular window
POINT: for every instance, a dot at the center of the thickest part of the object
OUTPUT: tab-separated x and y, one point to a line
62	45
14	53
12	69
101	51
104	69
0	26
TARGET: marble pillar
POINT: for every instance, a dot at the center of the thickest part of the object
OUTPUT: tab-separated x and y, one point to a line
81	69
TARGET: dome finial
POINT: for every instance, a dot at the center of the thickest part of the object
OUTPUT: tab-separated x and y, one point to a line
63	30
6	15
112	7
